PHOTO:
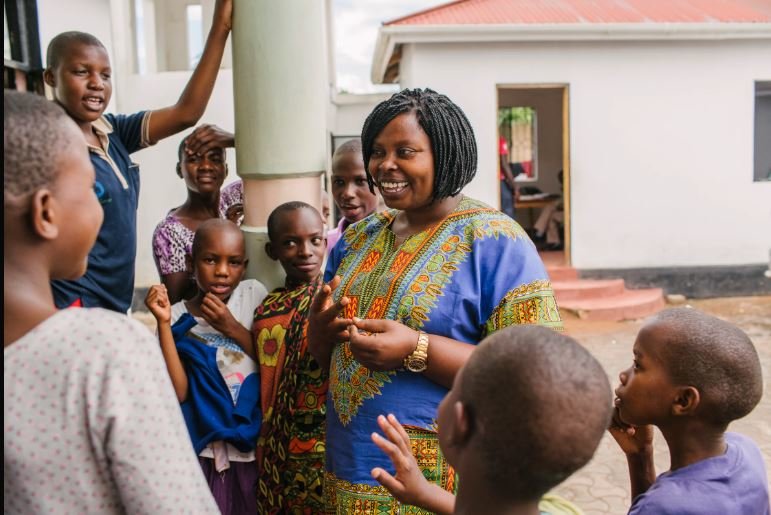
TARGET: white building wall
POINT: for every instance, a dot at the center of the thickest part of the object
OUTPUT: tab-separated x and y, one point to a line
351	111
661	141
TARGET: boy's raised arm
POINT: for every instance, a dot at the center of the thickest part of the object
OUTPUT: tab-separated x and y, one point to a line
192	103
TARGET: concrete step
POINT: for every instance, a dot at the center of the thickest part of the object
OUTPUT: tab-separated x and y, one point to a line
585	289
628	305
561	273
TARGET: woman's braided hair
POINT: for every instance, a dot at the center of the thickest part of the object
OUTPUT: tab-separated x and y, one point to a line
452	139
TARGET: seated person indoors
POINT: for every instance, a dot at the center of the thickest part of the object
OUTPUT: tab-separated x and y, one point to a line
290	451
203	174
91	422
526	411
548	224
354	196
211	359
693	374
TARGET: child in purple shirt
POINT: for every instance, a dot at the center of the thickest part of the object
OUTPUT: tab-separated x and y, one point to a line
693	374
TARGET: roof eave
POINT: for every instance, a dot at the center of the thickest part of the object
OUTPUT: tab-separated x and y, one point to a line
391	36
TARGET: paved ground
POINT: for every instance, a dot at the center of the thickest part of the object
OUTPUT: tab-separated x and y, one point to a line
602	487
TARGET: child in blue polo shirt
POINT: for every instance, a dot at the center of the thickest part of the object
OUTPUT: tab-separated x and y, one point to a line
78	70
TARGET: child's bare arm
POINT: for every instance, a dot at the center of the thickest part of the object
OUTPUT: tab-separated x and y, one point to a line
408	486
157	301
192	103
637	444
219	317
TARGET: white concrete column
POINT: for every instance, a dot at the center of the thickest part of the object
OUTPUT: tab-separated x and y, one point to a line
281	96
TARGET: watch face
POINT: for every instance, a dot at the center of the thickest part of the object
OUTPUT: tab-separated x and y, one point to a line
416	365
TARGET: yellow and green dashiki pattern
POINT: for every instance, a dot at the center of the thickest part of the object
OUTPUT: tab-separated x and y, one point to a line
290	451
467	277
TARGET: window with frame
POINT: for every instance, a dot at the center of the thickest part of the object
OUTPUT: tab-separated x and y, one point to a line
762	154
519	126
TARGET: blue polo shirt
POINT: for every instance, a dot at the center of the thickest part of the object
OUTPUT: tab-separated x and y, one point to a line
109	280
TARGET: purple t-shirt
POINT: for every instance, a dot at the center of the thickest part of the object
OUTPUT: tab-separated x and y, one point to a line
732	484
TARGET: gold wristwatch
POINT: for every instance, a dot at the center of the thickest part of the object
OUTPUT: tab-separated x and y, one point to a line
418	360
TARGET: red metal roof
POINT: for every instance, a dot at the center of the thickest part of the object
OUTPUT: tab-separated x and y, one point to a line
490	12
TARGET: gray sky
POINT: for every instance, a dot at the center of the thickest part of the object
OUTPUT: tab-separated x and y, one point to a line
356	24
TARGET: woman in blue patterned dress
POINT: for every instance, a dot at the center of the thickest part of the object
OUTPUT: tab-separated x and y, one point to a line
418	286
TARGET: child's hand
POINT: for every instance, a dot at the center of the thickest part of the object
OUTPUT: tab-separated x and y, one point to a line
206	137
217	314
157	301
631	439
409	486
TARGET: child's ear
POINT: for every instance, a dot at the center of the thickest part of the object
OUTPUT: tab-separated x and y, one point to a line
179	170
43	215
48	77
269	251
687	401
461	428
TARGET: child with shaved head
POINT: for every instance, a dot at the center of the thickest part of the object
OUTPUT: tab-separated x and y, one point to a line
692	375
90	420
527	410
290	451
211	358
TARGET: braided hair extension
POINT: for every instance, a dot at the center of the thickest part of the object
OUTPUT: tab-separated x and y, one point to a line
452	139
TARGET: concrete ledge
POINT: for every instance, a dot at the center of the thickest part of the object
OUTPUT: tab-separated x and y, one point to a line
693	282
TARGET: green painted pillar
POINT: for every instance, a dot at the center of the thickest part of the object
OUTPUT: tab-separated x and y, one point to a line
281	98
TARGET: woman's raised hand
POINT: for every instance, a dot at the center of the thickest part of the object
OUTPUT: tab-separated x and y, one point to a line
325	327
381	344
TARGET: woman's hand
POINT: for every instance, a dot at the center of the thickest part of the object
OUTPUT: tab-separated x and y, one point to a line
325	329
157	301
206	137
409	486
384	343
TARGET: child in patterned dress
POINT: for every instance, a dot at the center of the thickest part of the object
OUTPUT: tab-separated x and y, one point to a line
204	172
290	451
